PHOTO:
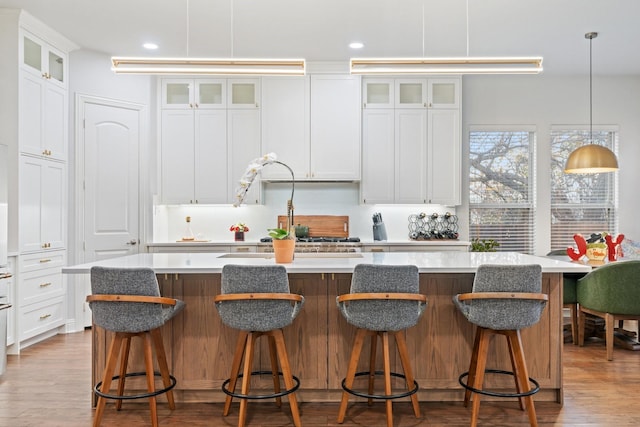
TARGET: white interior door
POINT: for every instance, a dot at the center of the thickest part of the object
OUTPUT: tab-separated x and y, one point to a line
110	145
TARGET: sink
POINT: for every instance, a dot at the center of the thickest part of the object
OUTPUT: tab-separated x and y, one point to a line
267	255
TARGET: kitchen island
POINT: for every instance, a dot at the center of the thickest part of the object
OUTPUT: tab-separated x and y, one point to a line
200	348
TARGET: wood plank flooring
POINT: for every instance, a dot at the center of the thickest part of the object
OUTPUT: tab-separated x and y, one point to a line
49	385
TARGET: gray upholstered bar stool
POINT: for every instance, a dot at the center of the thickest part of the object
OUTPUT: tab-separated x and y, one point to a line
504	300
383	299
128	303
257	301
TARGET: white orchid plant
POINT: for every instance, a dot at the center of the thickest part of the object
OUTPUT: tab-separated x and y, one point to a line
255	166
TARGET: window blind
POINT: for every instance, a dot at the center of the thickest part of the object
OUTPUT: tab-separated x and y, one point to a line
581	203
502	187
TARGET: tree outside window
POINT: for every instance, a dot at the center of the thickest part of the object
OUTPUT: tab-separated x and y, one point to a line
502	187
581	203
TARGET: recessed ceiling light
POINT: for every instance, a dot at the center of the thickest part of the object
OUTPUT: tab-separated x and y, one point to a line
150	46
356	45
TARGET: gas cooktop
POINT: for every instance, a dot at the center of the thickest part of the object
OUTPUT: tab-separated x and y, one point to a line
320	239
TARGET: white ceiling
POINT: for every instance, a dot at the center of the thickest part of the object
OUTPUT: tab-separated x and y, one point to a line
320	30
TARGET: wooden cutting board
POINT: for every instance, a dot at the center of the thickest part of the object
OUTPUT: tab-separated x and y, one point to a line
320	225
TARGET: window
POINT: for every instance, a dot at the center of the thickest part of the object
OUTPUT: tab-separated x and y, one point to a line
581	203
502	187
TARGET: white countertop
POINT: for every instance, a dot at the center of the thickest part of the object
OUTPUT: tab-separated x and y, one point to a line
427	262
435	242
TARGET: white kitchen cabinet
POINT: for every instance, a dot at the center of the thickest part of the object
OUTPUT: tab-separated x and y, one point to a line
411	93
378	93
34	123
243	127
335	128
189	94
40	294
194	156
444	157
378	156
43	104
411	153
42	204
42	60
243	93
285	125
312	124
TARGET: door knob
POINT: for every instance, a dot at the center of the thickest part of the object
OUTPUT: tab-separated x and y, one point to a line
132	242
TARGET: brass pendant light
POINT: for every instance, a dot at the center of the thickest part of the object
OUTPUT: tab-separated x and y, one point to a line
591	158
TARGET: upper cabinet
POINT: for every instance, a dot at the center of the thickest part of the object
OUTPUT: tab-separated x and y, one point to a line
43	99
312	123
209	133
411	141
189	94
411	93
243	93
43	60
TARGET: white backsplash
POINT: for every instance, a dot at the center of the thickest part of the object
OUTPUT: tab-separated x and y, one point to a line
212	222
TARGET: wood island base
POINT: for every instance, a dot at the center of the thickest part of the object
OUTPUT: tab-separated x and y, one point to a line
200	348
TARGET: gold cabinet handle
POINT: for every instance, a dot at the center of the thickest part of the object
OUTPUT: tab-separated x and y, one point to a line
242	249
45	284
44	316
42	261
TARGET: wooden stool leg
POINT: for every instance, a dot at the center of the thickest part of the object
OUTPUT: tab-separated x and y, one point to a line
387	377
351	372
286	373
124	360
110	367
372	364
163	365
516	341
148	362
235	369
406	367
472	367
246	378
609	326
273	355
483	346
516	374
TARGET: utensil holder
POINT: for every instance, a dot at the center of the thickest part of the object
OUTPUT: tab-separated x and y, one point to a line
379	232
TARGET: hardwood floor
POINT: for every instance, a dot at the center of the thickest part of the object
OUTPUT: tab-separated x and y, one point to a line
49	385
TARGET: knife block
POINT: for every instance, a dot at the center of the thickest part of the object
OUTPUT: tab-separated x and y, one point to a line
379	232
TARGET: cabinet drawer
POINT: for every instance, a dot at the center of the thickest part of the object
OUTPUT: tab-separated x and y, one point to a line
42	260
40	285
42	317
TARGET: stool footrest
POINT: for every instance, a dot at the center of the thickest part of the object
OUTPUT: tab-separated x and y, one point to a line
534	390
414	390
97	391
260	396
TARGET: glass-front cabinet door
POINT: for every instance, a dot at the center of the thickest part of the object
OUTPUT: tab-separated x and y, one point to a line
444	93
43	60
377	93
243	93
189	93
411	93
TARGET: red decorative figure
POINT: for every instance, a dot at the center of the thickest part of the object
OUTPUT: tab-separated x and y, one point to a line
582	248
611	245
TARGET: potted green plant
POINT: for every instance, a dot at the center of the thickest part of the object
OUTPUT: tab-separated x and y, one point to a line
283	244
484	245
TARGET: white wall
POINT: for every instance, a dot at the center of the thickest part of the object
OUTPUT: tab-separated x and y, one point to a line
543	101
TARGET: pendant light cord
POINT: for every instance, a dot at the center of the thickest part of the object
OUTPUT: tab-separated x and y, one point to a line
591	88
188	30
467	18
